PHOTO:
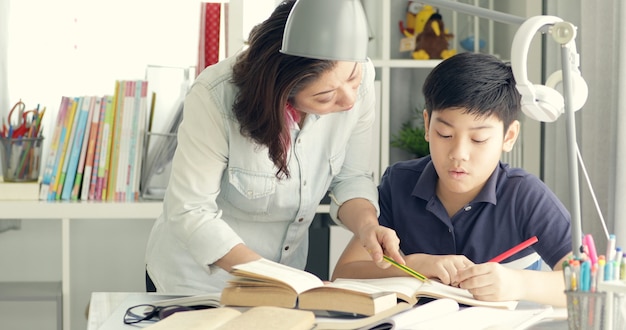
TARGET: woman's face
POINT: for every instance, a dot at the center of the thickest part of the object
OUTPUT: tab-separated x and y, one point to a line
333	91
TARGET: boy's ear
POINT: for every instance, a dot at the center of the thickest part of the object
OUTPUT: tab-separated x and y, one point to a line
510	136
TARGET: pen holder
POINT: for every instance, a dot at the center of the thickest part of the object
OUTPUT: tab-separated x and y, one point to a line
593	310
21	159
585	310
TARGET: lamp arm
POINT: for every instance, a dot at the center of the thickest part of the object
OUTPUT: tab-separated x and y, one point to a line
570	131
477	11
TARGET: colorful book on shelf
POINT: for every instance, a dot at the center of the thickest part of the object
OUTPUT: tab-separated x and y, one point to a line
137	140
108	191
63	145
125	141
51	157
264	282
105	151
410	290
71	165
93	179
91	141
82	158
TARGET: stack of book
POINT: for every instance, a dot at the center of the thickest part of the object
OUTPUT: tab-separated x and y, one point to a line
97	146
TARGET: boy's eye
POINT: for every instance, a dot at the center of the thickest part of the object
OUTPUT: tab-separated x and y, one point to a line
444	135
479	140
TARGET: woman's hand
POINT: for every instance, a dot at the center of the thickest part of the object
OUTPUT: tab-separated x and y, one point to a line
378	241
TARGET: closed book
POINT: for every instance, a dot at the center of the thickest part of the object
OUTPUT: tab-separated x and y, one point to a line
224	318
266	283
19	191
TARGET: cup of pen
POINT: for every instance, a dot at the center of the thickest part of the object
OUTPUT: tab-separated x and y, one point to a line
21	158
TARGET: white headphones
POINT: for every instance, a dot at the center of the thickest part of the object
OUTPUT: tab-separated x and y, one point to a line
539	102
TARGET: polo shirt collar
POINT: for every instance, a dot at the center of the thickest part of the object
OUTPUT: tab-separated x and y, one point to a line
426	186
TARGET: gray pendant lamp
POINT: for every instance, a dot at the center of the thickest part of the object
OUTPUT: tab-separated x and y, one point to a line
327	29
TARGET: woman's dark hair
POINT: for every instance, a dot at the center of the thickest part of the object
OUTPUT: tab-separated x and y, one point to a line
267	80
480	83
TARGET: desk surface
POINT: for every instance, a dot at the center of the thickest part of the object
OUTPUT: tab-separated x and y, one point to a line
106	311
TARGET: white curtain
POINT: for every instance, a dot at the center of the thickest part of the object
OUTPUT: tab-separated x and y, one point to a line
601	123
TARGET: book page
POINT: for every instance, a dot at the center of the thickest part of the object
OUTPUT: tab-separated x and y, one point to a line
412	287
298	280
422	313
479	318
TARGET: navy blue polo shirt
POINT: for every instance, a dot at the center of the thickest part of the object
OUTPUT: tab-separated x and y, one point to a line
513	206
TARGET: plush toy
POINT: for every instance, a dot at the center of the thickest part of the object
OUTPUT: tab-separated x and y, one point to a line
424	25
416	17
432	42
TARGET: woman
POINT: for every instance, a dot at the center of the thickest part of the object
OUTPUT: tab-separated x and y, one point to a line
264	137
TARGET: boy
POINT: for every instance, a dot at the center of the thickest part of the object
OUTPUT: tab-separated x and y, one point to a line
460	207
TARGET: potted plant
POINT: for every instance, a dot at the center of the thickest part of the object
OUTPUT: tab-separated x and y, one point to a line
411	138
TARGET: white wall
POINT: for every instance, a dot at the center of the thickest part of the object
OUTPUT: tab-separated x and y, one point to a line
74	48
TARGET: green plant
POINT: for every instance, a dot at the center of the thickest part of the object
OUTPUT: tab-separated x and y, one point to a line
411	138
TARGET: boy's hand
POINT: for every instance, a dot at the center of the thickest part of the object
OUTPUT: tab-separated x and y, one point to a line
492	282
443	267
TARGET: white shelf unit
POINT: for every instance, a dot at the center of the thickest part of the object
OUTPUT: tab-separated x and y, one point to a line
68	212
401	77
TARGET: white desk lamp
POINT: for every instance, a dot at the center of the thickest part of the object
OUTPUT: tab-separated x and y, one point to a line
338	30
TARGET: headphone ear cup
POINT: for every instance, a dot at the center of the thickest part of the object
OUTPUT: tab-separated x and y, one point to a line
549	104
580	90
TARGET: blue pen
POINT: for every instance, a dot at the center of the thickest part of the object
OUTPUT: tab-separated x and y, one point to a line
585	276
608	270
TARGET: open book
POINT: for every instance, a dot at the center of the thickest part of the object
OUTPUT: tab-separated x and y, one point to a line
410	289
266	283
261	318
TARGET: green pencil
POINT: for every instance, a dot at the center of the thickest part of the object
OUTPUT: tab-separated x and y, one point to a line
406	269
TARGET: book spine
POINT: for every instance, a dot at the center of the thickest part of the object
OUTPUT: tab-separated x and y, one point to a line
83	174
105	151
54	147
64	142
134	142
76	150
96	158
122	168
143	123
108	190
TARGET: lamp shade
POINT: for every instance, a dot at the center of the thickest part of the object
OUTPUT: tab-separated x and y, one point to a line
327	29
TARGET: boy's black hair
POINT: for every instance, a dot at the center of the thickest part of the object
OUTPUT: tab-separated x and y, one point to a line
480	83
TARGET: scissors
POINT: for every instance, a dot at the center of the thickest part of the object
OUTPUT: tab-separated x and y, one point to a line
22	126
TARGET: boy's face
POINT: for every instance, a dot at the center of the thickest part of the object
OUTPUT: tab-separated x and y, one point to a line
465	149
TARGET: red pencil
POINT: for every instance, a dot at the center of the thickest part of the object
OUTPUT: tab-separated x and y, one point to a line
519	247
